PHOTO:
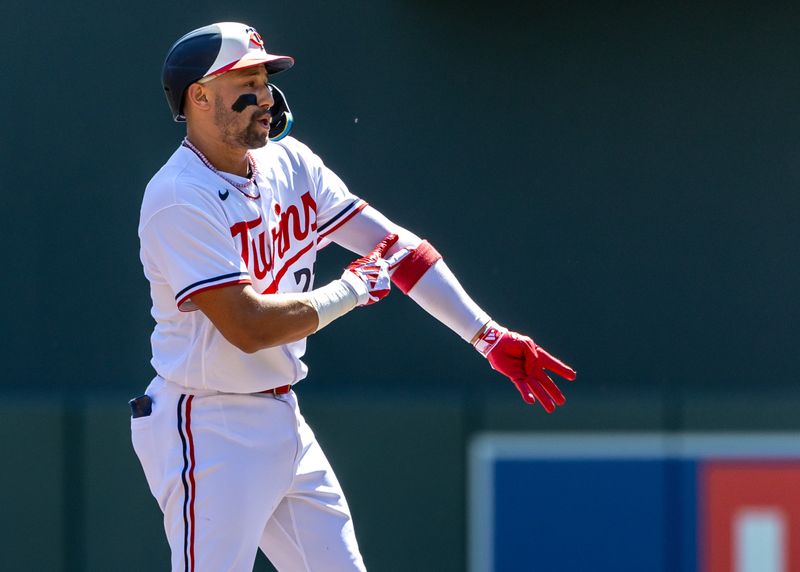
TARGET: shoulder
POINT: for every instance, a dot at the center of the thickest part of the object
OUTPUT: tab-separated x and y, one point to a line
293	146
182	181
286	152
290	146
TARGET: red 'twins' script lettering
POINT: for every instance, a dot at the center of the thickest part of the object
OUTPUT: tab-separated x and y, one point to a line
292	225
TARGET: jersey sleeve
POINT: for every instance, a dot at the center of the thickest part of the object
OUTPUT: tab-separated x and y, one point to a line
336	205
191	251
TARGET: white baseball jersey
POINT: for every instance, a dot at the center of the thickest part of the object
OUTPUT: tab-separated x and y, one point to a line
199	232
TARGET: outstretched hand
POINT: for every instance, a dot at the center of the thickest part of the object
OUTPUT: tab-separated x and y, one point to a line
517	357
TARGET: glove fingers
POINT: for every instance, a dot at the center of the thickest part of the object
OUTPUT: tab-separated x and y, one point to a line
542	396
554	364
384	245
398	257
551	388
524	391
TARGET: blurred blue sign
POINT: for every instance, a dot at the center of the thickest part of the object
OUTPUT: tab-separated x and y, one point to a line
635	502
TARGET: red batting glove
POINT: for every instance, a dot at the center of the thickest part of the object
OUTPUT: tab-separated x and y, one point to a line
368	277
523	362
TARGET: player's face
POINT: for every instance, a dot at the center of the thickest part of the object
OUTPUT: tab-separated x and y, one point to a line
241	107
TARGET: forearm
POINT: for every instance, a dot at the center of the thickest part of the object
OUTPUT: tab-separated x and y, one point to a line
286	318
253	321
428	281
439	293
269	320
433	285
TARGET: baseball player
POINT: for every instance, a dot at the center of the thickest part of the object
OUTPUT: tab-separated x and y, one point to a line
230	229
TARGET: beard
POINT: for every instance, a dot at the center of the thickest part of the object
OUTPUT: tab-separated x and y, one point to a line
230	125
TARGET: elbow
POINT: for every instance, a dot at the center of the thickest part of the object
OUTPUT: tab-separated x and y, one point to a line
248	346
250	342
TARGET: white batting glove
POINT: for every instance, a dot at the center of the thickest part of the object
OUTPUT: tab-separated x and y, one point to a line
368	277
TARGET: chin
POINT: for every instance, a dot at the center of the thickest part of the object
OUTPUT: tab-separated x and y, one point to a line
255	140
259	144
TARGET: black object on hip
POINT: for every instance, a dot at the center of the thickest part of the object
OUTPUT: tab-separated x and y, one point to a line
141	406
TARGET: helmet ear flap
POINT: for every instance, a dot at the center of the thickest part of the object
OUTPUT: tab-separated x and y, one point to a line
281	123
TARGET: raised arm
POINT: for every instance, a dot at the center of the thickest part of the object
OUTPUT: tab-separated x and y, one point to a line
427	280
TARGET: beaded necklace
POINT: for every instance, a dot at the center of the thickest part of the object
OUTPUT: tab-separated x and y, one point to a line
241	187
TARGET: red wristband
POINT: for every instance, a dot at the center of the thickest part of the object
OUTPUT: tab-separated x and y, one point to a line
414	266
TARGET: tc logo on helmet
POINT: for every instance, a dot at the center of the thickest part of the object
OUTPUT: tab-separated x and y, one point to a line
255	38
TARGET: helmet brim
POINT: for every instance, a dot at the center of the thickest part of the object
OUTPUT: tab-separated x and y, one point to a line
273	62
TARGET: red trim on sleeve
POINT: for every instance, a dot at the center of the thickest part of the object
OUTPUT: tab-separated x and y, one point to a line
414	266
212	287
357	210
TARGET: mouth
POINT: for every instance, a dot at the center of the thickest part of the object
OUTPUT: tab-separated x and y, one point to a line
264	121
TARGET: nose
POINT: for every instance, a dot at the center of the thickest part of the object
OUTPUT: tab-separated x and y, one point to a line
269	100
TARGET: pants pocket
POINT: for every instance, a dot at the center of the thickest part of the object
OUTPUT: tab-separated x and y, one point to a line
144	447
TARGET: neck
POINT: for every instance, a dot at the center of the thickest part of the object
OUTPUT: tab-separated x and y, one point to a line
223	157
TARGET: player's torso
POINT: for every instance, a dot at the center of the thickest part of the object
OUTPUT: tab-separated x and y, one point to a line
273	225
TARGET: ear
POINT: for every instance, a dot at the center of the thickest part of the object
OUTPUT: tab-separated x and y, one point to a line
197	96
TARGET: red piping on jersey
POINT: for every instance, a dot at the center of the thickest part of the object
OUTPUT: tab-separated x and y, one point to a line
184	431
212	287
191	478
357	210
414	266
273	287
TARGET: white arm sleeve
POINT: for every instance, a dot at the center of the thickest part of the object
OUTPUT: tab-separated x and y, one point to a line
366	229
438	292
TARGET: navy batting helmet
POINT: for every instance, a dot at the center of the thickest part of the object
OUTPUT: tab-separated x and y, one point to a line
212	50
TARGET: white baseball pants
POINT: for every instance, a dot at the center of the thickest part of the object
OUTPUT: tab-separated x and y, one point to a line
235	473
